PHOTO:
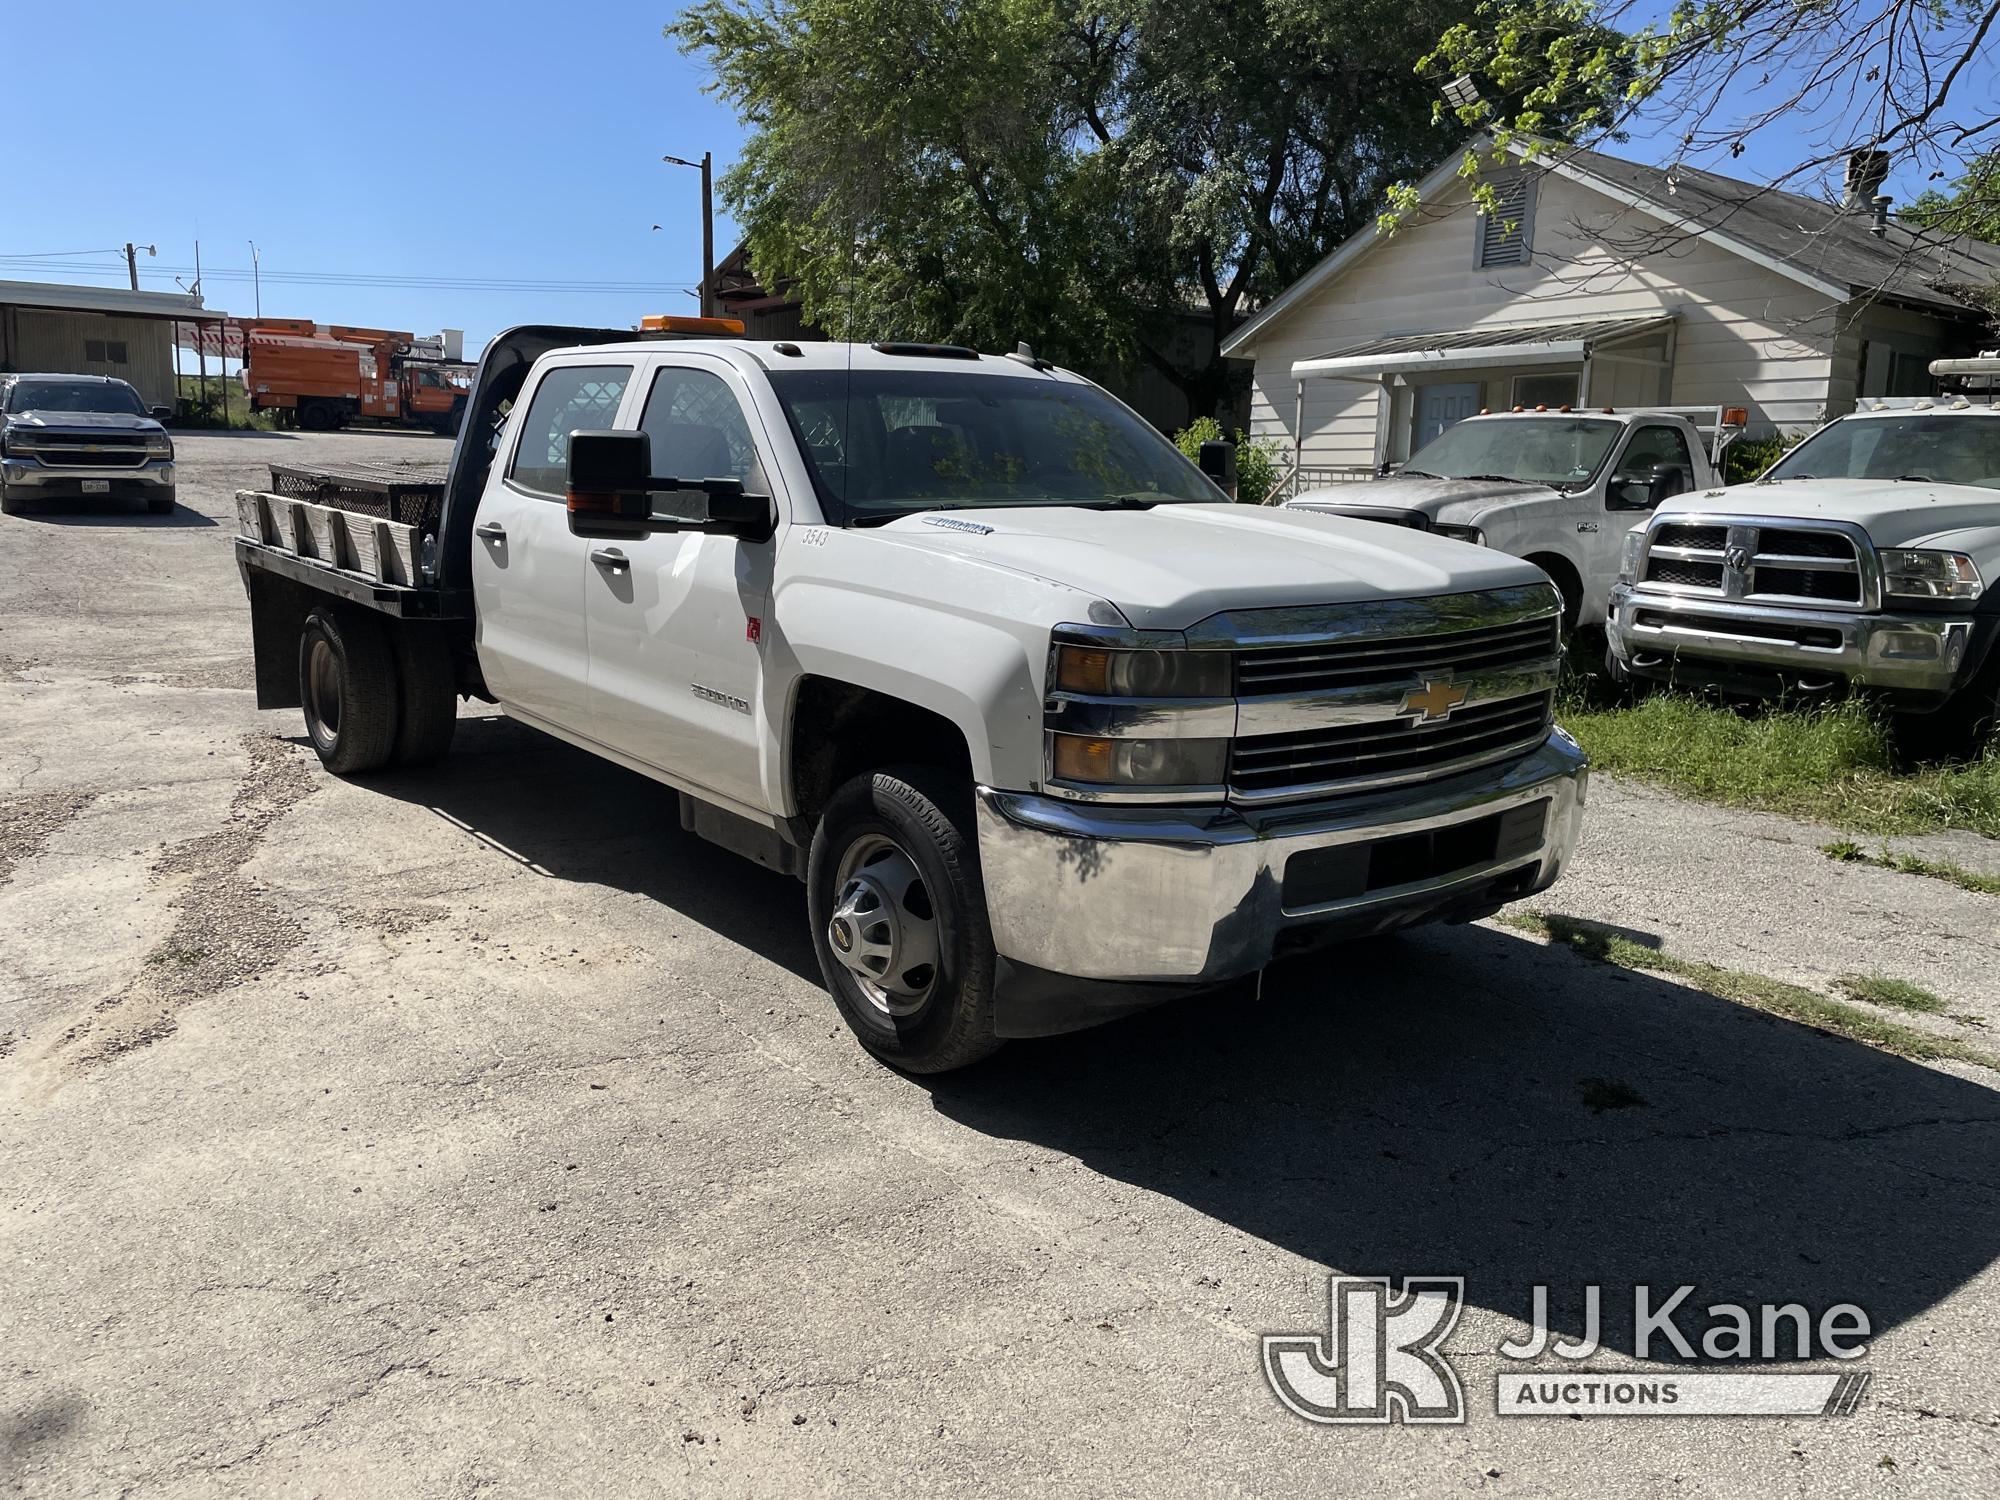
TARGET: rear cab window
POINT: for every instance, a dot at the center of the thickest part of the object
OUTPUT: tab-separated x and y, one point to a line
570	398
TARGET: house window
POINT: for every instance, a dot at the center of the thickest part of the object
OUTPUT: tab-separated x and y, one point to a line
104	352
1505	235
1545	390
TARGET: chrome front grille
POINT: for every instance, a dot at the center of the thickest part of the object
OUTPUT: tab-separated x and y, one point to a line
97	453
1388	750
1788	563
1373	661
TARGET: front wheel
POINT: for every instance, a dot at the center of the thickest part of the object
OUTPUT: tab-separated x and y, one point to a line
899	918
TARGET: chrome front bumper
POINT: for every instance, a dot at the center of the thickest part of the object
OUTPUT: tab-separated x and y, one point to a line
26	474
1197	895
1909	653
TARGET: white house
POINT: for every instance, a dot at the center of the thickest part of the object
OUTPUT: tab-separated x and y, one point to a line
1606	283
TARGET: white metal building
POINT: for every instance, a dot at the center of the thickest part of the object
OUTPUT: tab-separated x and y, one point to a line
89	330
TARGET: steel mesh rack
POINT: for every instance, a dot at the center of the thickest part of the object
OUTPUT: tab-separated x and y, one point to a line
410	493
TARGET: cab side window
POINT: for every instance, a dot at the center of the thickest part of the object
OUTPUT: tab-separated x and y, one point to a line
1655	466
571	398
698	431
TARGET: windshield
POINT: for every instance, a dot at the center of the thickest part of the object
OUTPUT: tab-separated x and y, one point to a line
1942	449
113	396
1534	450
886	443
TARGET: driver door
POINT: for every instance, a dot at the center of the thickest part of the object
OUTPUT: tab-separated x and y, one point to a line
675	619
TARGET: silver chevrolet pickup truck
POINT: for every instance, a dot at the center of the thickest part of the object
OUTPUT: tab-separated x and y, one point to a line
65	437
1862	561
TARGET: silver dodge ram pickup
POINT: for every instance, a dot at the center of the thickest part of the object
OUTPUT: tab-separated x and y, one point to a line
1861	561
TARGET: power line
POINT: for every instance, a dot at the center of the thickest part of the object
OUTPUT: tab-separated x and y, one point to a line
360	279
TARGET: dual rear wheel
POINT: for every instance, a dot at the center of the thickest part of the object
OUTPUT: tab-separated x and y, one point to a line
374	697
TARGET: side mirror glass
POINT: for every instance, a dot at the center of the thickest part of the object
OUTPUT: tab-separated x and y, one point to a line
1218	462
162	414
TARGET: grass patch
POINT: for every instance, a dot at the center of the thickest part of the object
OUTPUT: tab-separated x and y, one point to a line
1777	997
1895	994
1833	764
1849	852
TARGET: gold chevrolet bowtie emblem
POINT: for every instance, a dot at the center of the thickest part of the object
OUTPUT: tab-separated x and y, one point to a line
1433	701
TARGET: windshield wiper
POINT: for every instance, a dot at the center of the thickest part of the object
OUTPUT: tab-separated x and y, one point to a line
1415	474
1493	478
1141	500
1915	479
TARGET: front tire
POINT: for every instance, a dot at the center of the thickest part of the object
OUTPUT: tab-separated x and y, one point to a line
898	914
161	505
347	686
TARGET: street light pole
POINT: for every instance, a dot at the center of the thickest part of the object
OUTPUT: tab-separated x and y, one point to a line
132	261
705	167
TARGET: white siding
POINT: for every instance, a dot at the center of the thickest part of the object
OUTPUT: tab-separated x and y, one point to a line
1744	335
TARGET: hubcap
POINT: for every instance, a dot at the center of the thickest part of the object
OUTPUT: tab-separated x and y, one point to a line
323	687
884	928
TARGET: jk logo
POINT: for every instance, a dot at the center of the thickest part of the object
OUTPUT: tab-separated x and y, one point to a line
1379	1360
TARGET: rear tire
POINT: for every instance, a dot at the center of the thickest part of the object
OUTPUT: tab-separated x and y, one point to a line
317	416
347	686
426	695
893	881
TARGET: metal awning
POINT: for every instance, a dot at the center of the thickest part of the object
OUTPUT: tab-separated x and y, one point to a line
1477	348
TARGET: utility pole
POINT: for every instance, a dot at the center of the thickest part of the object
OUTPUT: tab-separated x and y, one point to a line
704	166
256	279
132	261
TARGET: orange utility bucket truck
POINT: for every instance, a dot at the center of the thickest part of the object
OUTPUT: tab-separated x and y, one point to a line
327	375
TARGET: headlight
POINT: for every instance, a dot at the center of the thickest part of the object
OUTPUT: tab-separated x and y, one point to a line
1628	560
160	446
17	440
1163	763
1908	574
1101	673
1470	534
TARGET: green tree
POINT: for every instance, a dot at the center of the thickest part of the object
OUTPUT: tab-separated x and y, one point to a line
1081	176
1971	207
1805	82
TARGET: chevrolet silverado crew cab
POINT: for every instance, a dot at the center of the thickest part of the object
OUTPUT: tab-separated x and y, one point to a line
65	436
1559	488
1049	728
1861	560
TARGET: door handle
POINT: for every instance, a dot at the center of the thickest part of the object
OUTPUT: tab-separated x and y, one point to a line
607	557
493	531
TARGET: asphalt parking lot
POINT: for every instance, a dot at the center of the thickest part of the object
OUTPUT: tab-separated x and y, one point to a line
475	1130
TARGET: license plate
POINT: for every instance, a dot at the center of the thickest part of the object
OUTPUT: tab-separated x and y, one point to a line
97	486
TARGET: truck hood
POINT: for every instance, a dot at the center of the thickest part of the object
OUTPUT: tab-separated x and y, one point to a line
82	421
1171	566
1451	503
1894	513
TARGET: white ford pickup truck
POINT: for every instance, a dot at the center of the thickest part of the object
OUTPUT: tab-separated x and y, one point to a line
1050	729
1559	488
1862	560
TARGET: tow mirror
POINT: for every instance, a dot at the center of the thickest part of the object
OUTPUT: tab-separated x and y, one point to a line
1218	462
613	493
609	484
162	414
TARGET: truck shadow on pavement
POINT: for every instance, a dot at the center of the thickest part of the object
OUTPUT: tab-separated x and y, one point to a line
1454	1101
569	815
94	513
1461	1101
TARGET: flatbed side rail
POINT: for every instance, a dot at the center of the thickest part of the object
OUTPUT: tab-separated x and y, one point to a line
403	601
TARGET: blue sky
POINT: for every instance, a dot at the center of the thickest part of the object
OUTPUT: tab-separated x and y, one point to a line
418	140
360	139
